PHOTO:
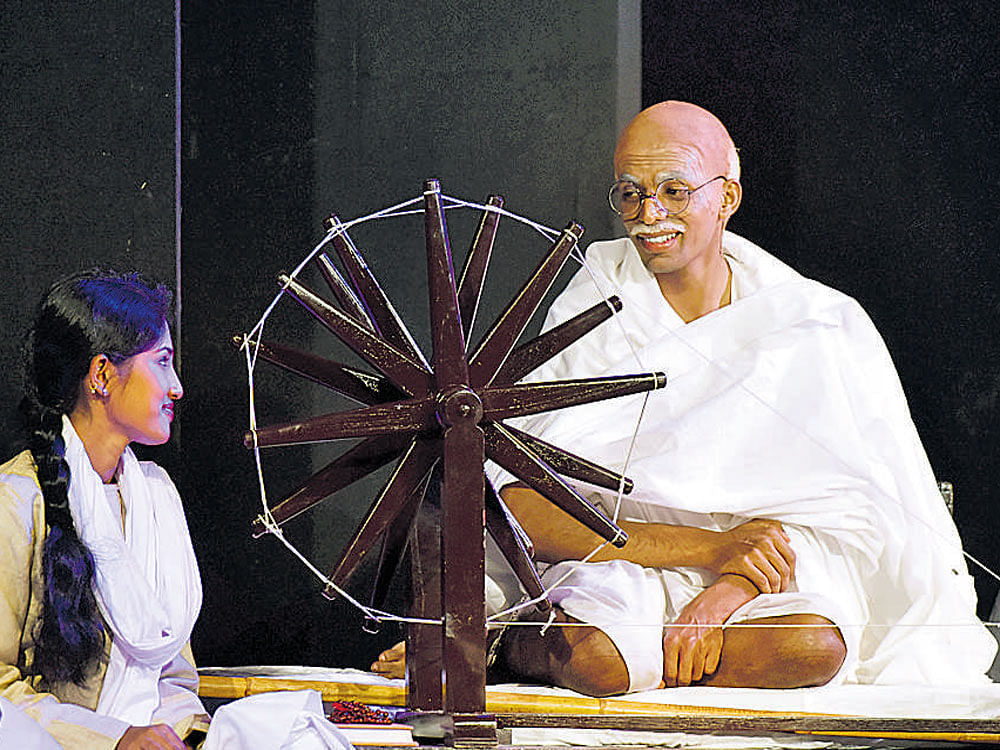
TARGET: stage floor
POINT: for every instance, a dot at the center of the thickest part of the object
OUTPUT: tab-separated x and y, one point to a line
839	716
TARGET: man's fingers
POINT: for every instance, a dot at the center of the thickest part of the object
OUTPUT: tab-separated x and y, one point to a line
697	661
670	662
685	662
782	568
755	567
714	651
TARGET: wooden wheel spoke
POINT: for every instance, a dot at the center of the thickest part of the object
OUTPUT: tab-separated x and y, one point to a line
413	415
394	543
405	373
355	384
571	465
470	288
344	294
522	462
500	339
360	461
512	546
532	354
380	309
410	473
450	367
531	398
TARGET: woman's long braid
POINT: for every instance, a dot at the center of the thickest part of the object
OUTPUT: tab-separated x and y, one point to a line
70	637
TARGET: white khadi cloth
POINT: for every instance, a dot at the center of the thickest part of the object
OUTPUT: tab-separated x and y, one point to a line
282	720
146	582
784	405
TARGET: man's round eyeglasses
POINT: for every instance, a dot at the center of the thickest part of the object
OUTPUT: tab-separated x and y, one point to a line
673	196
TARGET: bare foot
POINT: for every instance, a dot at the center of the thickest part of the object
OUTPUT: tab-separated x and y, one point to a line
391	662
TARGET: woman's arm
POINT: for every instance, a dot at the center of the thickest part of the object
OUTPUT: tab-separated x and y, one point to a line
73	726
180	706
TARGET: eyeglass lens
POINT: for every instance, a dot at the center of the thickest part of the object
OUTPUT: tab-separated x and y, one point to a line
626	197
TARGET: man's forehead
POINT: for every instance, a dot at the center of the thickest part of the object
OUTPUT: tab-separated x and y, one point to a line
662	160
675	133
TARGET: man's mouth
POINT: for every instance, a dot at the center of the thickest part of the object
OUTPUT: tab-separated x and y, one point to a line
659	240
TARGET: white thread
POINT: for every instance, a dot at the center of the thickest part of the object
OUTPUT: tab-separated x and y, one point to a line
742	625
548	623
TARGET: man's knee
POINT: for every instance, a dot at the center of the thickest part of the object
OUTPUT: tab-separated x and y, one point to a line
814	653
782	656
824	653
580	658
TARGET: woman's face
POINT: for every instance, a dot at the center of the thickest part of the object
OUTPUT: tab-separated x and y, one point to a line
142	404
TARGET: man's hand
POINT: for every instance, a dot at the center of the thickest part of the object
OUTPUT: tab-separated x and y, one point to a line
156	737
392	662
758	550
691	650
692	645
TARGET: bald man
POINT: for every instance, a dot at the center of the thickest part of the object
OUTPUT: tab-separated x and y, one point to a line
780	484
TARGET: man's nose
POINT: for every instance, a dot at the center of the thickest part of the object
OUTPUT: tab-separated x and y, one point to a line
651	211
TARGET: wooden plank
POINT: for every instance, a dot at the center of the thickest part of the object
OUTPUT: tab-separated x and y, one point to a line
515	710
931	730
216	686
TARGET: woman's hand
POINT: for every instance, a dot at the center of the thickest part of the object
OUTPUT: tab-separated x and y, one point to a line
155	737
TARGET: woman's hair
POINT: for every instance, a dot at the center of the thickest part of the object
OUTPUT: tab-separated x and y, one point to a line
81	316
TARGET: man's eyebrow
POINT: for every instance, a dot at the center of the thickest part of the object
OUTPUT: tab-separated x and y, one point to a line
671	175
659	177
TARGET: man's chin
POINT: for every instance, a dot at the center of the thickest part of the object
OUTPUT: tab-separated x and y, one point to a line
663	262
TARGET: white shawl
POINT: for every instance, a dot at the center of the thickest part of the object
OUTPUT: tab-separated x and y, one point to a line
784	405
147	584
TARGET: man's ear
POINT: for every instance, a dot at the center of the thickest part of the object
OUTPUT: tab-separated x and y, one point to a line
99	375
732	194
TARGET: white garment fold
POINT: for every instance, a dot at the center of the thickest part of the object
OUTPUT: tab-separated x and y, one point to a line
147	584
783	405
286	720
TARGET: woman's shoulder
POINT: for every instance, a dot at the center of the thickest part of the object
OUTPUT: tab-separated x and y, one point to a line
19	490
18	475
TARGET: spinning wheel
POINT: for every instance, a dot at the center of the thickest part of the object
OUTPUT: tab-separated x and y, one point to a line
447	416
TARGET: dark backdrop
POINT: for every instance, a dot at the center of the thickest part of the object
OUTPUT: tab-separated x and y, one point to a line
290	114
868	140
87	156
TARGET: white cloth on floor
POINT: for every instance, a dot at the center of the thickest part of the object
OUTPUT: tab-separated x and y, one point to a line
18	730
285	720
783	405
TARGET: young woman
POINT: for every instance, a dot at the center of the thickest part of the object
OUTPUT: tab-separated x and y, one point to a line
99	588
